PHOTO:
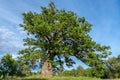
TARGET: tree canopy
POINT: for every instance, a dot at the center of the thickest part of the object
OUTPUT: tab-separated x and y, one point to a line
55	35
7	65
113	67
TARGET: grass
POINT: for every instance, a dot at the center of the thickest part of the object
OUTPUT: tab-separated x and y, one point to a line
56	78
38	77
66	78
61	78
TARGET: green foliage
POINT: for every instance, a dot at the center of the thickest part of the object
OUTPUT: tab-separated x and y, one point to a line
56	35
8	66
69	73
88	72
74	72
94	72
23	67
113	67
80	71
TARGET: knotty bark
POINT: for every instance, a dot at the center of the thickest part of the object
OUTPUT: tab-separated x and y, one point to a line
47	69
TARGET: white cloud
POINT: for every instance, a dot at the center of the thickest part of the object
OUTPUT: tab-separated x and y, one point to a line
6	33
21	30
9	42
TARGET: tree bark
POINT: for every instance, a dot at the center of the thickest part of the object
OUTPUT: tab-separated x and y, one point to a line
47	69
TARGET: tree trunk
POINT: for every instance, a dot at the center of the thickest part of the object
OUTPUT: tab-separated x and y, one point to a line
47	69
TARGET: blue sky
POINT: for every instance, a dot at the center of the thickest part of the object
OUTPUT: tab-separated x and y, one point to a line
103	14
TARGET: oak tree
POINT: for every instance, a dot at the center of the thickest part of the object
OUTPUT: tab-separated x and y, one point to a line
55	35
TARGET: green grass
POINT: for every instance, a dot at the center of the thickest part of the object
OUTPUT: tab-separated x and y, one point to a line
63	78
37	77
